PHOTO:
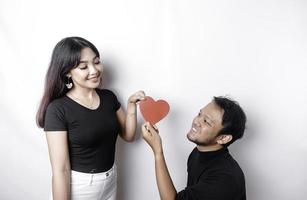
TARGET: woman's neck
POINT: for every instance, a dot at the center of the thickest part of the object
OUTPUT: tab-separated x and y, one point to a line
82	93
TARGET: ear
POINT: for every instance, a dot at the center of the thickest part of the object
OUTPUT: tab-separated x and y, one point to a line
68	75
224	139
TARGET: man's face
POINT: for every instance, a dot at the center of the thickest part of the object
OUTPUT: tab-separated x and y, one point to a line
206	125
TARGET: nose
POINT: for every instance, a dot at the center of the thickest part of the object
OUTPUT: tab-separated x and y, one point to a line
196	121
92	69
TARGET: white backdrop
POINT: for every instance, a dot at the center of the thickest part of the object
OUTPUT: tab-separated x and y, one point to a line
184	51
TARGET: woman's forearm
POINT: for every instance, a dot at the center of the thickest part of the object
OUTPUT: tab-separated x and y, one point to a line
130	122
61	185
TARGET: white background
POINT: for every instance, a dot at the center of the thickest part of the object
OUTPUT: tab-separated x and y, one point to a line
183	51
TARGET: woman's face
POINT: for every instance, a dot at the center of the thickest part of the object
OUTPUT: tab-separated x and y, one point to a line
88	73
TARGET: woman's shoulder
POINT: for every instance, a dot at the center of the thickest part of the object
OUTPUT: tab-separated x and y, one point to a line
57	103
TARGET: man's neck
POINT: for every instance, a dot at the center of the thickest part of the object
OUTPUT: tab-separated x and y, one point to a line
209	148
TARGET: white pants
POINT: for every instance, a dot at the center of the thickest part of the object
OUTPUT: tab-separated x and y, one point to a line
94	186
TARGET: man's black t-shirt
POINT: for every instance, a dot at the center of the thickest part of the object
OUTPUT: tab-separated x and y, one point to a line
91	133
213	176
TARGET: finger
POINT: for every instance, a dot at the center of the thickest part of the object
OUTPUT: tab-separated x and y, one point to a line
141	92
151	129
148	125
156	128
141	95
144	133
145	130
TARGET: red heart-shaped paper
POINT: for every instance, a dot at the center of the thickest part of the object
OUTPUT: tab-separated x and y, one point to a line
153	111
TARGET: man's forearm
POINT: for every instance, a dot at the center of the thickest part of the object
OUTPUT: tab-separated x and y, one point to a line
165	184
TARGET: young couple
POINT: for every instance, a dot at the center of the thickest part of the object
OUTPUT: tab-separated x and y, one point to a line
82	123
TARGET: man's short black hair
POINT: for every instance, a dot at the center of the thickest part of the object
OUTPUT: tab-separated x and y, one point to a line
234	118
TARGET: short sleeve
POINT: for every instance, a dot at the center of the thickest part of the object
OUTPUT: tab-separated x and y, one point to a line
54	118
114	101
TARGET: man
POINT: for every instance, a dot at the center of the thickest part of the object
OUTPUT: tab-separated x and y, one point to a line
212	172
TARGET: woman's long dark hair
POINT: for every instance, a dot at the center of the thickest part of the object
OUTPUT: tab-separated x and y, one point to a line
66	55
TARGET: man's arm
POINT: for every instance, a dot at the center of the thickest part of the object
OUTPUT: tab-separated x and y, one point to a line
165	184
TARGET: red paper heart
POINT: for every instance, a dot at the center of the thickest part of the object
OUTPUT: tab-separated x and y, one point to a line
153	111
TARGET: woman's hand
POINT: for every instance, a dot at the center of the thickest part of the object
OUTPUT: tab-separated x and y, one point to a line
128	121
136	97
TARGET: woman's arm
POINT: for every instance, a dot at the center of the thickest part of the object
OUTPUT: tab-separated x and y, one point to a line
128	121
59	158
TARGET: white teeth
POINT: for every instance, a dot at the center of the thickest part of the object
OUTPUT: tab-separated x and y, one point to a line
194	129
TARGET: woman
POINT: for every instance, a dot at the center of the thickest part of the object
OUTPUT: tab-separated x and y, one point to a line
82	123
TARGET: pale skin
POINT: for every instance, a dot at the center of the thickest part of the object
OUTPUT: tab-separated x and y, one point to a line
204	130
86	77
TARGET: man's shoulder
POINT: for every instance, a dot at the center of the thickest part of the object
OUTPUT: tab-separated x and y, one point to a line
192	154
225	168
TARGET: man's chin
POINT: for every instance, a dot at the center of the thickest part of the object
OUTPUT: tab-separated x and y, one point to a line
194	140
190	137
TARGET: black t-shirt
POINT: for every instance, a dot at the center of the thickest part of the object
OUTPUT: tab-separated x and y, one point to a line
91	133
213	176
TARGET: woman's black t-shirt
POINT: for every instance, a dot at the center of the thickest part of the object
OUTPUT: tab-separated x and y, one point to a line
91	133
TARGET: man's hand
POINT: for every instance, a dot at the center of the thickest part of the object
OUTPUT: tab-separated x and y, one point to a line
165	184
152	137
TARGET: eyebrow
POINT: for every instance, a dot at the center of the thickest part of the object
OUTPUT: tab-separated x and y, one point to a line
211	120
84	61
207	116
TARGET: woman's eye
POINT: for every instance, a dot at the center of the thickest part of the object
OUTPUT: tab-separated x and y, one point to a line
97	63
83	67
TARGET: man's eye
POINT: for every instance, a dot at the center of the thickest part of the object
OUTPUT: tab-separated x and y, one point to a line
97	62
207	122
